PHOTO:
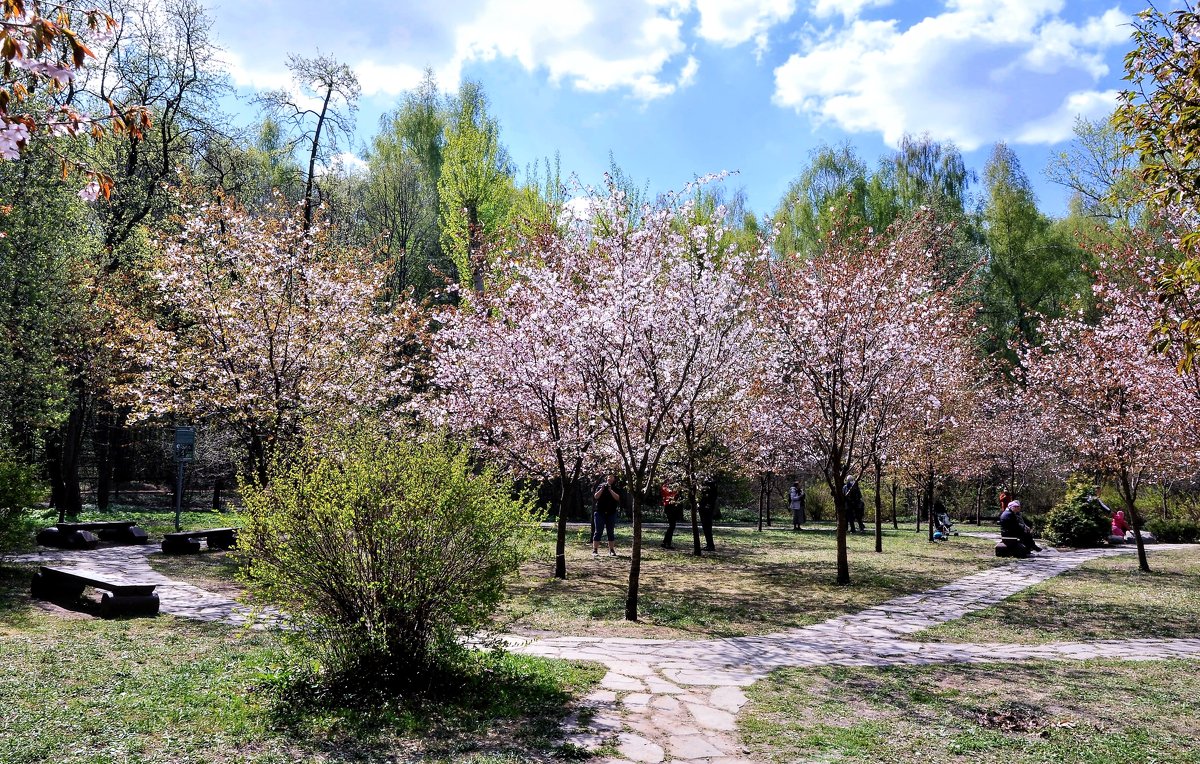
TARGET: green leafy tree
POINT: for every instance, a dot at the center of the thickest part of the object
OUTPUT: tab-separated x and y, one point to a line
1100	174
1159	113
400	196
475	186
1033	270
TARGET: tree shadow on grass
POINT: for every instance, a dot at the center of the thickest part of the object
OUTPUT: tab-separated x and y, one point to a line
487	703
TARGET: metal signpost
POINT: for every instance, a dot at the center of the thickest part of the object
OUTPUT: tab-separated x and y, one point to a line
185	451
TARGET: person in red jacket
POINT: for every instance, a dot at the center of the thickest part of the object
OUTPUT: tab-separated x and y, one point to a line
1120	526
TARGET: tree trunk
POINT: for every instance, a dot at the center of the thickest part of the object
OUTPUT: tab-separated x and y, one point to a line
770	479
312	161
217	486
635	564
102	432
64	451
843	559
762	494
932	503
895	522
560	541
475	247
1129	495
878	506
979	501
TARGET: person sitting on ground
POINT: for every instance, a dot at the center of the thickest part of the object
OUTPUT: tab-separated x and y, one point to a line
796	504
1015	533
1120	526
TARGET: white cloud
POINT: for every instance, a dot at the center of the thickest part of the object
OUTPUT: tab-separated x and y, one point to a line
733	22
847	9
980	71
1060	125
345	163
594	45
387	79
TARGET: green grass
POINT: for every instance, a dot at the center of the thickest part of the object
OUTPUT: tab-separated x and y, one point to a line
154	520
755	583
1099	712
75	689
1107	598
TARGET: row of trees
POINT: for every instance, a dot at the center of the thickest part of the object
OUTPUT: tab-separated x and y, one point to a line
882	325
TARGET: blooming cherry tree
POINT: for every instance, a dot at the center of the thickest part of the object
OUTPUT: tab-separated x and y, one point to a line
267	330
853	335
1119	410
508	367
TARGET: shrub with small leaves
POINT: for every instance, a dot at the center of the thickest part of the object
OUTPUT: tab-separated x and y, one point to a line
1175	531
19	489
384	553
1079	520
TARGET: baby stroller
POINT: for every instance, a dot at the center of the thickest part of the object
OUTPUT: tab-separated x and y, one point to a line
943	525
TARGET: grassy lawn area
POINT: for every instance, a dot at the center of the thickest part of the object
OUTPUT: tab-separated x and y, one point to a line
1108	598
77	689
1097	712
755	583
154	520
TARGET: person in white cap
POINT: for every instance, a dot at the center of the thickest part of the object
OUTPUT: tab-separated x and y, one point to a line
1015	534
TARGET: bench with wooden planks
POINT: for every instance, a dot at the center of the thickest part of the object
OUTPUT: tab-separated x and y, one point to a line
87	535
122	596
188	542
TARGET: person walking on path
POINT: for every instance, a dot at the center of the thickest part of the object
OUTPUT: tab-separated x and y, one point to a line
1015	534
796	504
608	501
856	508
674	514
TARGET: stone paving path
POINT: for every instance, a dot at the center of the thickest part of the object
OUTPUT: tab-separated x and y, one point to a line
677	700
128	562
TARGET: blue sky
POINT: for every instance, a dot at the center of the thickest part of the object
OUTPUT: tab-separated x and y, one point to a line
679	88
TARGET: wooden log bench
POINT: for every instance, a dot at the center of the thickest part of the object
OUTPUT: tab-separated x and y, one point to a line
121	596
87	535
188	542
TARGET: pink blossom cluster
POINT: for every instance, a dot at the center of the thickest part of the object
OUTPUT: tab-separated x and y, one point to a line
270	330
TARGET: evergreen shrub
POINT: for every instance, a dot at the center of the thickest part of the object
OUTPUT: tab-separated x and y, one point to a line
1079	520
1175	531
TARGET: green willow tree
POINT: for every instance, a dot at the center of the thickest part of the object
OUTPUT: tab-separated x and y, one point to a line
475	185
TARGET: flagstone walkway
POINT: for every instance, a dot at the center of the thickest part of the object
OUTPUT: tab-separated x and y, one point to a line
677	700
128	562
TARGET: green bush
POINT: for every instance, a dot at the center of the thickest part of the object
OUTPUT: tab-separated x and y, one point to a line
817	502
19	489
1175	531
1079	520
384	554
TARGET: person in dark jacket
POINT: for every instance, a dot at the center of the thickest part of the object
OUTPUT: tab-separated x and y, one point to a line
1014	532
609	498
674	512
856	508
